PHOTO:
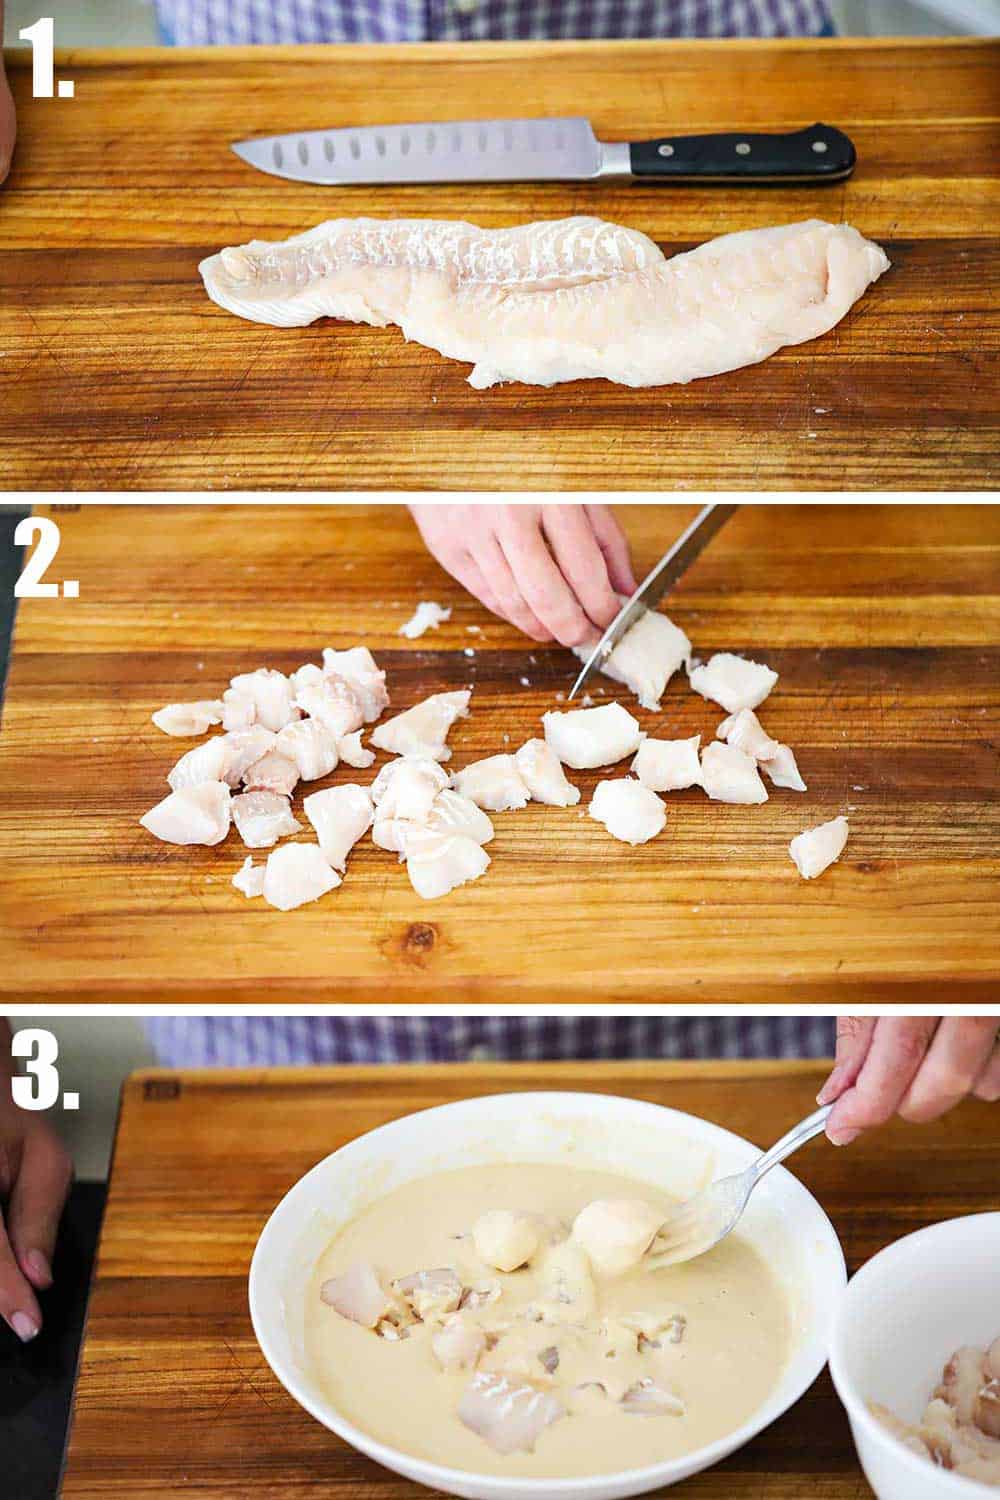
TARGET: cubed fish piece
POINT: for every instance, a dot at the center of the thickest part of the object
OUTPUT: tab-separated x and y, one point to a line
311	746
542	773
340	815
453	813
745	731
588	737
646	657
359	1295
629	811
495	784
262	818
297	874
508	1415
188	720
818	848
272	694
353	753
668	765
211	761
438	862
194	815
359	668
733	681
423	729
728	775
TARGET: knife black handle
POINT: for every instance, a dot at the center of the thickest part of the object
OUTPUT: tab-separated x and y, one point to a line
819	154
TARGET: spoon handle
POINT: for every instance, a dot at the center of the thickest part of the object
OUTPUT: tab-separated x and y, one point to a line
796	1137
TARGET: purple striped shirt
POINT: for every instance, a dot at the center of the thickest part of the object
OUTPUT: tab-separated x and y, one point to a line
266	1041
199	22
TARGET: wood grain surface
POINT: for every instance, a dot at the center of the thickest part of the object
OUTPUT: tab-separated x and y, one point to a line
884	623
119	374
173	1392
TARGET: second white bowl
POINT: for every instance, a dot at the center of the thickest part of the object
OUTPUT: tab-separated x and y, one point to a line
904	1315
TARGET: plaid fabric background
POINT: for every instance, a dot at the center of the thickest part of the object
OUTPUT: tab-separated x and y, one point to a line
199	22
251	1041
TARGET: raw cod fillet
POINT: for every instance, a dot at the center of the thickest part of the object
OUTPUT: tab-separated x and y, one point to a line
570	299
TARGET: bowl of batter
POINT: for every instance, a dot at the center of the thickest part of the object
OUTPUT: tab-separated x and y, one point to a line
461	1295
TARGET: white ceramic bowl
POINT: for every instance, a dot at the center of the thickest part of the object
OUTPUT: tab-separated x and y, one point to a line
661	1146
904	1315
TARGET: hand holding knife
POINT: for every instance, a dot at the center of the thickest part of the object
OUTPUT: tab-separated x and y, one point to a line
689	545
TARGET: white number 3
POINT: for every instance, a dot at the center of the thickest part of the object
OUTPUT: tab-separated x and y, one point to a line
40	1089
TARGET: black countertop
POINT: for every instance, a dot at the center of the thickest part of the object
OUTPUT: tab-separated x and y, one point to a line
36	1379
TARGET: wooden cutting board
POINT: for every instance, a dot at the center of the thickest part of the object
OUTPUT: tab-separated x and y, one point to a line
884	623
173	1392
118	373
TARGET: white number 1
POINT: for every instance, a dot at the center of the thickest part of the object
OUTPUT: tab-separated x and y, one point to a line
41	35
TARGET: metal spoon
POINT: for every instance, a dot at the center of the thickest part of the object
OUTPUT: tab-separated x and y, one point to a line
710	1215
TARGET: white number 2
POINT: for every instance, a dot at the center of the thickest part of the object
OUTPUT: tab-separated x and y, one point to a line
40	1088
30	585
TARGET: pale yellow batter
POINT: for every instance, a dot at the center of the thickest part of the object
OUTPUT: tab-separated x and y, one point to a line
573	1372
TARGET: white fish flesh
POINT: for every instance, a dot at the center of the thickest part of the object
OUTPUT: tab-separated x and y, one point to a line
438	862
431	1295
249	878
745	731
311	746
668	765
426	616
274	772
334	703
247	747
296	874
646	657
729	775
816	849
570	299
509	1415
239	711
542	773
360	670
359	1295
211	761
504	1239
423	729
390	833
407	787
616	1233
628	810
194	815
340	815
495	784
647	1399
453	813
782	770
458	1343
733	681
353	753
188	720
588	737
272	696
262	818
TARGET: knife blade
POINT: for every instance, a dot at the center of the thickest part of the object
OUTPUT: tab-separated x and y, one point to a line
689	545
543	150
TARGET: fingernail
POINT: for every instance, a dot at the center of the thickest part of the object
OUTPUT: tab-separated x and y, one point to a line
37	1267
25	1328
842	1137
829	1090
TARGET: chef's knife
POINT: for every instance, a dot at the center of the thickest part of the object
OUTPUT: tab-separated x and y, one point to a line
689	545
545	150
